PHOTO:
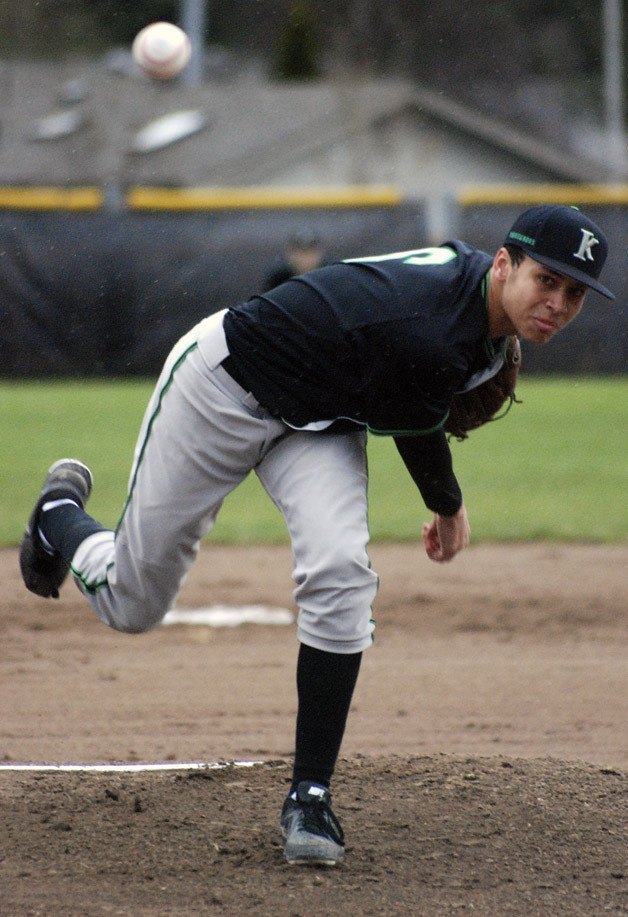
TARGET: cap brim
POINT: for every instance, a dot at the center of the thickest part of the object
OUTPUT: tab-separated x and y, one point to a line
572	272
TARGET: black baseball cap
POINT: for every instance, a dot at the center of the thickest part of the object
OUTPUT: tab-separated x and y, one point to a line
563	239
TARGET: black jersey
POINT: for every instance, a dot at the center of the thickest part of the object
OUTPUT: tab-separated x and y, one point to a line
383	341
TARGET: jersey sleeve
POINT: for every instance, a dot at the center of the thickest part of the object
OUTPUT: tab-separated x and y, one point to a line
428	459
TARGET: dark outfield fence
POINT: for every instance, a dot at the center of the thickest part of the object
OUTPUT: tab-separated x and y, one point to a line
95	293
86	292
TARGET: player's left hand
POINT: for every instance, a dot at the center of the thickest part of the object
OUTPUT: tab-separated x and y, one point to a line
445	536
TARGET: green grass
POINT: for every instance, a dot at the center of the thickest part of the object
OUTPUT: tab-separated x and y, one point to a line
555	468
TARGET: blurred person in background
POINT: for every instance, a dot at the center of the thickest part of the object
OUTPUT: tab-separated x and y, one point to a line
303	252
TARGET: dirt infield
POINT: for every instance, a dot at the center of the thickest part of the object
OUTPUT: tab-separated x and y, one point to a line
484	767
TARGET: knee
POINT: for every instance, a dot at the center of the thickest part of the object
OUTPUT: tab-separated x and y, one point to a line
341	580
137	617
335	607
130	624
125	614
129	597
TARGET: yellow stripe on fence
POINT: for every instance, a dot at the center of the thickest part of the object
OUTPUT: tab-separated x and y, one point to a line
51	198
142	198
478	195
217	198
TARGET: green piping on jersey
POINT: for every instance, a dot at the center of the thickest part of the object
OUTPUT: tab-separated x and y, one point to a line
149	427
489	346
485	284
427	432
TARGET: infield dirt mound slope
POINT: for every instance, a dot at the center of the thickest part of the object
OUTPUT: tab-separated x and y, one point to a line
429	835
483	770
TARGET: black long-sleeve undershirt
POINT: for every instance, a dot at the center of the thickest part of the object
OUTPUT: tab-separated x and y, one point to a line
428	459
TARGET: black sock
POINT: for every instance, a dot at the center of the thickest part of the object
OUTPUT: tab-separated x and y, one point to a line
325	683
66	526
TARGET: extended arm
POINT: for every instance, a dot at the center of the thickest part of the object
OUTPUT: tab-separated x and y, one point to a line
428	459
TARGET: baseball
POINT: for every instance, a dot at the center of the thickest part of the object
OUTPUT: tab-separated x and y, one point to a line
161	50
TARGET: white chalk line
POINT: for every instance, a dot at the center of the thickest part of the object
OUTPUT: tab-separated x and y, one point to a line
131	768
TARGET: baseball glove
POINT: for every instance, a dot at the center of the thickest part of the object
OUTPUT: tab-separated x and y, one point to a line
470	410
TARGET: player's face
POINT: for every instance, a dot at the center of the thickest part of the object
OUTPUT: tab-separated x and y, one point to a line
538	302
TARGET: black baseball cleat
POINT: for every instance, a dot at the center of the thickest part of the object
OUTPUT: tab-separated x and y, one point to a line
312	832
44	572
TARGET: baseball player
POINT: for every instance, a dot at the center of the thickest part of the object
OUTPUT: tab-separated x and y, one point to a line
288	384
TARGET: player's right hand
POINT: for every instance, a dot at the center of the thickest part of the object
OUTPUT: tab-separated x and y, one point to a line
445	536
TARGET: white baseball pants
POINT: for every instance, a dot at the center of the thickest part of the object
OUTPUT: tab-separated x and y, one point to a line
200	437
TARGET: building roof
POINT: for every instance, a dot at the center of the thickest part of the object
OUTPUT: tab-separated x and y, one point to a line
78	122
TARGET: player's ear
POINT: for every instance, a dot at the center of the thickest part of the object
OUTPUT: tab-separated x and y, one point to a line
501	264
